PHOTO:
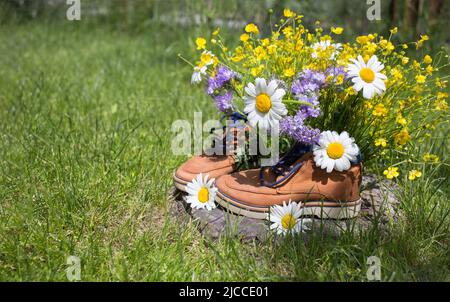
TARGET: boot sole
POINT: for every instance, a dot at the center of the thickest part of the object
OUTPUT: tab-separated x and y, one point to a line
179	183
321	209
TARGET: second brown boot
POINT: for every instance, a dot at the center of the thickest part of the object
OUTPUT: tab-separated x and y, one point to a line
328	195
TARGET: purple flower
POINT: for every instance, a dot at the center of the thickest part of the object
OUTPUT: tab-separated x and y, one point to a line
335	71
306	88
294	126
220	80
223	101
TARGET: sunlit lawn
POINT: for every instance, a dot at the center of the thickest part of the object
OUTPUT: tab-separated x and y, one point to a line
85	115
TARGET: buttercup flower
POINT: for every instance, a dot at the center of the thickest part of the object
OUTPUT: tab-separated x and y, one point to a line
286	219
263	103
413	174
201	193
367	76
335	151
427	59
381	142
337	30
391	172
197	74
288	13
201	43
244	37
252	28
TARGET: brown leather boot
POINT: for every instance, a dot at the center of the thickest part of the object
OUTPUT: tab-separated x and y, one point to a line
211	165
328	195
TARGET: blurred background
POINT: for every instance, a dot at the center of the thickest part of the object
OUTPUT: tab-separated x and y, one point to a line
413	17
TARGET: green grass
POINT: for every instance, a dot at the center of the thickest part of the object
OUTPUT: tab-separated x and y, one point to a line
85	115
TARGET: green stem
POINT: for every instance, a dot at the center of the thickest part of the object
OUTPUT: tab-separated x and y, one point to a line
298	102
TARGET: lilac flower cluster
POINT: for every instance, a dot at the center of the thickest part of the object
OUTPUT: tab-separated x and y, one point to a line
294	126
306	88
219	89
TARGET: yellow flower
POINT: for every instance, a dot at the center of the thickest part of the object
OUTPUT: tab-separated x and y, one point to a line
440	105
381	142
257	70
401	120
260	53
290	72
387	46
429	69
288	13
380	110
252	28
271	49
442	95
413	174
423	38
396	74
405	46
337	30
207	58
420	79
430	157
216	32
405	60
244	37
402	137
340	79
441	84
362	39
394	30
201	43
427	59
391	172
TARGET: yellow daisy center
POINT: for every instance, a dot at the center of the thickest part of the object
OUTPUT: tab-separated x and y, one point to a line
203	195
288	221
263	103
367	75
335	150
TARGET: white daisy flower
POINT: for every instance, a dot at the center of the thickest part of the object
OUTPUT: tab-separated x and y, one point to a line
335	151
197	74
201	193
323	46
263	103
286	219
367	76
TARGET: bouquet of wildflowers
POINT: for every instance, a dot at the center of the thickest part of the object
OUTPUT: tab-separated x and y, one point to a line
308	81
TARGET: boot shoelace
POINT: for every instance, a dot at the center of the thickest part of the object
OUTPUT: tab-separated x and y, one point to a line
285	165
235	117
